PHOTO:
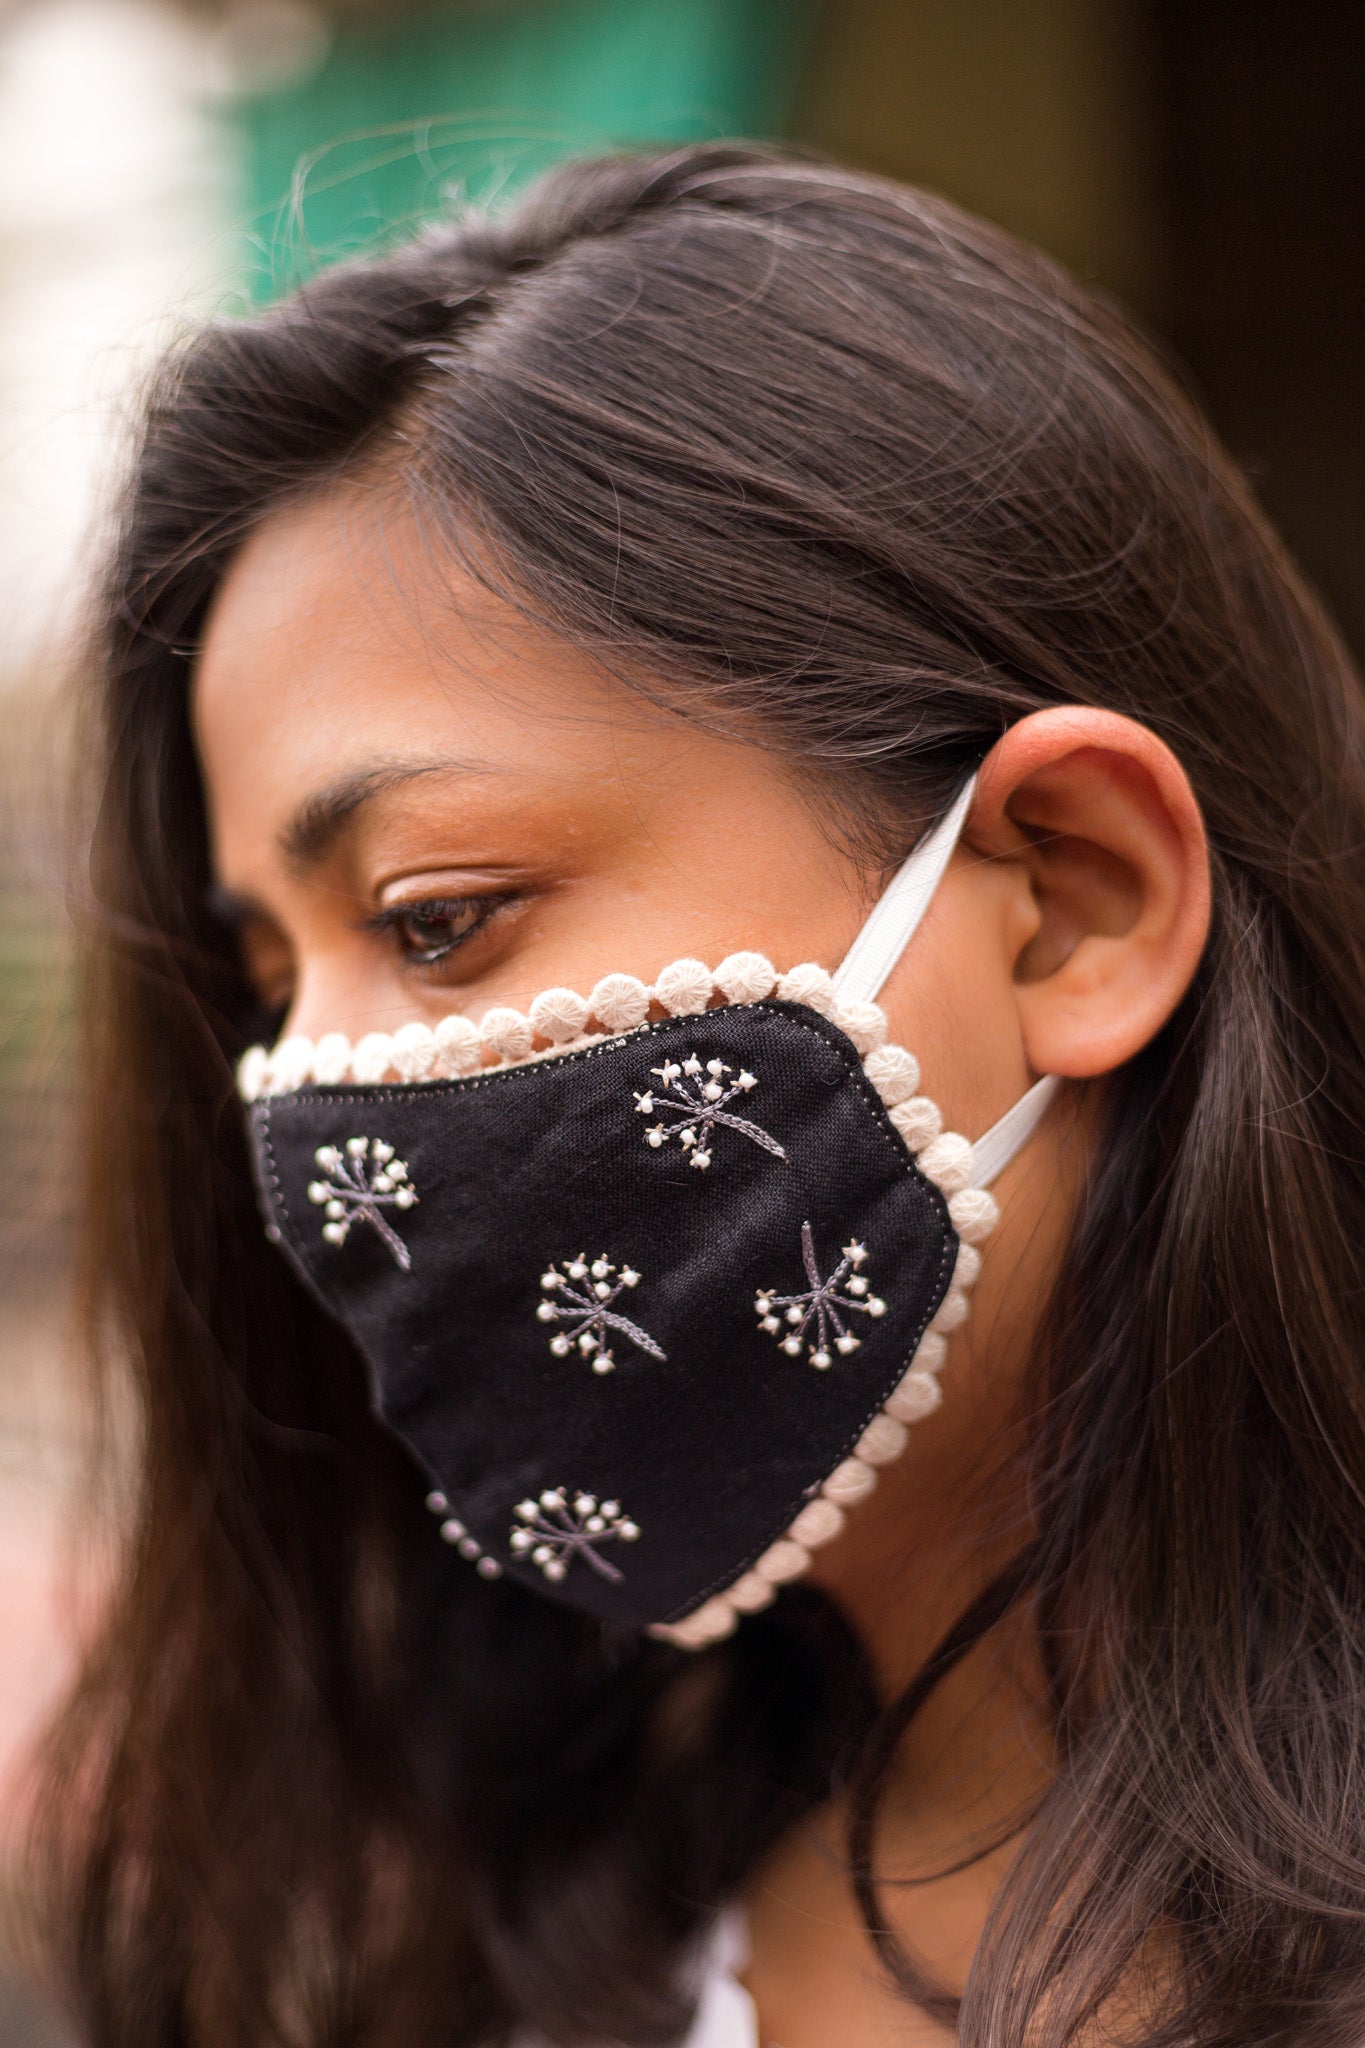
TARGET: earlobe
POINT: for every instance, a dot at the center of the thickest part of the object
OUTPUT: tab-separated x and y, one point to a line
1100	817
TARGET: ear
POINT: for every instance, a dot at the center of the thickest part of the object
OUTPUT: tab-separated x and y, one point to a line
1098	818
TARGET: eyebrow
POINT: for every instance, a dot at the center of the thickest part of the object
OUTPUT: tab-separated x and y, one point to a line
314	825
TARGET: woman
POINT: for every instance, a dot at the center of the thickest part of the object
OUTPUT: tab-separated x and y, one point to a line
532	657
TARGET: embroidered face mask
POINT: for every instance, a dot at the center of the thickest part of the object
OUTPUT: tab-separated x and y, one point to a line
651	1281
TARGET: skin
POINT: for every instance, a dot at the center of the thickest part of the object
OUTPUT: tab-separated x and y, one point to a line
374	732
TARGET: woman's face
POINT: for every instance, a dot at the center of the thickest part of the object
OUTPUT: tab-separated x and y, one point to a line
420	804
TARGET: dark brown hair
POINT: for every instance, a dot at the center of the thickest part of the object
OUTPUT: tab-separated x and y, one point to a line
815	451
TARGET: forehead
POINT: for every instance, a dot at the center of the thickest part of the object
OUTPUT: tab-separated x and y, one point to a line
344	640
341	622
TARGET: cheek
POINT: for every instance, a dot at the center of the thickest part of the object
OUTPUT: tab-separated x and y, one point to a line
951	1000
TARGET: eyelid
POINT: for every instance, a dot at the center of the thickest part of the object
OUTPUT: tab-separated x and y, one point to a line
437	885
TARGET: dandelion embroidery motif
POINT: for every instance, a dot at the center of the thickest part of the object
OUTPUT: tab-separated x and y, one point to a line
361	1182
821	1306
553	1531
583	1296
695	1097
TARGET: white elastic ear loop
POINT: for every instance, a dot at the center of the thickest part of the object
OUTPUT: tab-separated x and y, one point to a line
891	924
992	1153
895	917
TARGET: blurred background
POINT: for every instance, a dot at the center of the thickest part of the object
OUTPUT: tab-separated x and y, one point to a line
164	160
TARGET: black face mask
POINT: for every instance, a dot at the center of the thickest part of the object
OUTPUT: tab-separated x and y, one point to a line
650	1308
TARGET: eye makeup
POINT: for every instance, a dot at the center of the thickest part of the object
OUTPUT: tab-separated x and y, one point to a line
427	930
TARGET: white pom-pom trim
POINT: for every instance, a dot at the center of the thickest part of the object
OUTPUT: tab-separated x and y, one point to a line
746	977
813	986
948	1163
508	1033
893	1072
619	1001
882	1442
559	1015
850	1482
950	1314
917	1395
818	1523
786	1559
291	1064
373	1057
685	989
933	1350
974	1214
253	1071
332	1057
414	1052
967	1269
561	1020
751	1594
864	1023
918	1120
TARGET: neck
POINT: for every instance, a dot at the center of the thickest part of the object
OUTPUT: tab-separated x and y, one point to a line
973	1763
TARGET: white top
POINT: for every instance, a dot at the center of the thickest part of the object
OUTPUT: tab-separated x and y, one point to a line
725	2016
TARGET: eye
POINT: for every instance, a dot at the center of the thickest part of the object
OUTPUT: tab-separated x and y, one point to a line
425	932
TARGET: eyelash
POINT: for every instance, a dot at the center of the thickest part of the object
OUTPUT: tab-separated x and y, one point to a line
433	910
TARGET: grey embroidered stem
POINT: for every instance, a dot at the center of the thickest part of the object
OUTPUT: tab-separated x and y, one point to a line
582	1295
694	1096
362	1180
821	1304
553	1533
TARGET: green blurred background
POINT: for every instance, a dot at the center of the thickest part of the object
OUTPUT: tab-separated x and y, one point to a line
408	106
163	159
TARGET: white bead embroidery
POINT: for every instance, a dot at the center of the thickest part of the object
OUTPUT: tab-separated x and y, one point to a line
552	1531
821	1304
695	1096
454	1532
362	1180
583	1295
